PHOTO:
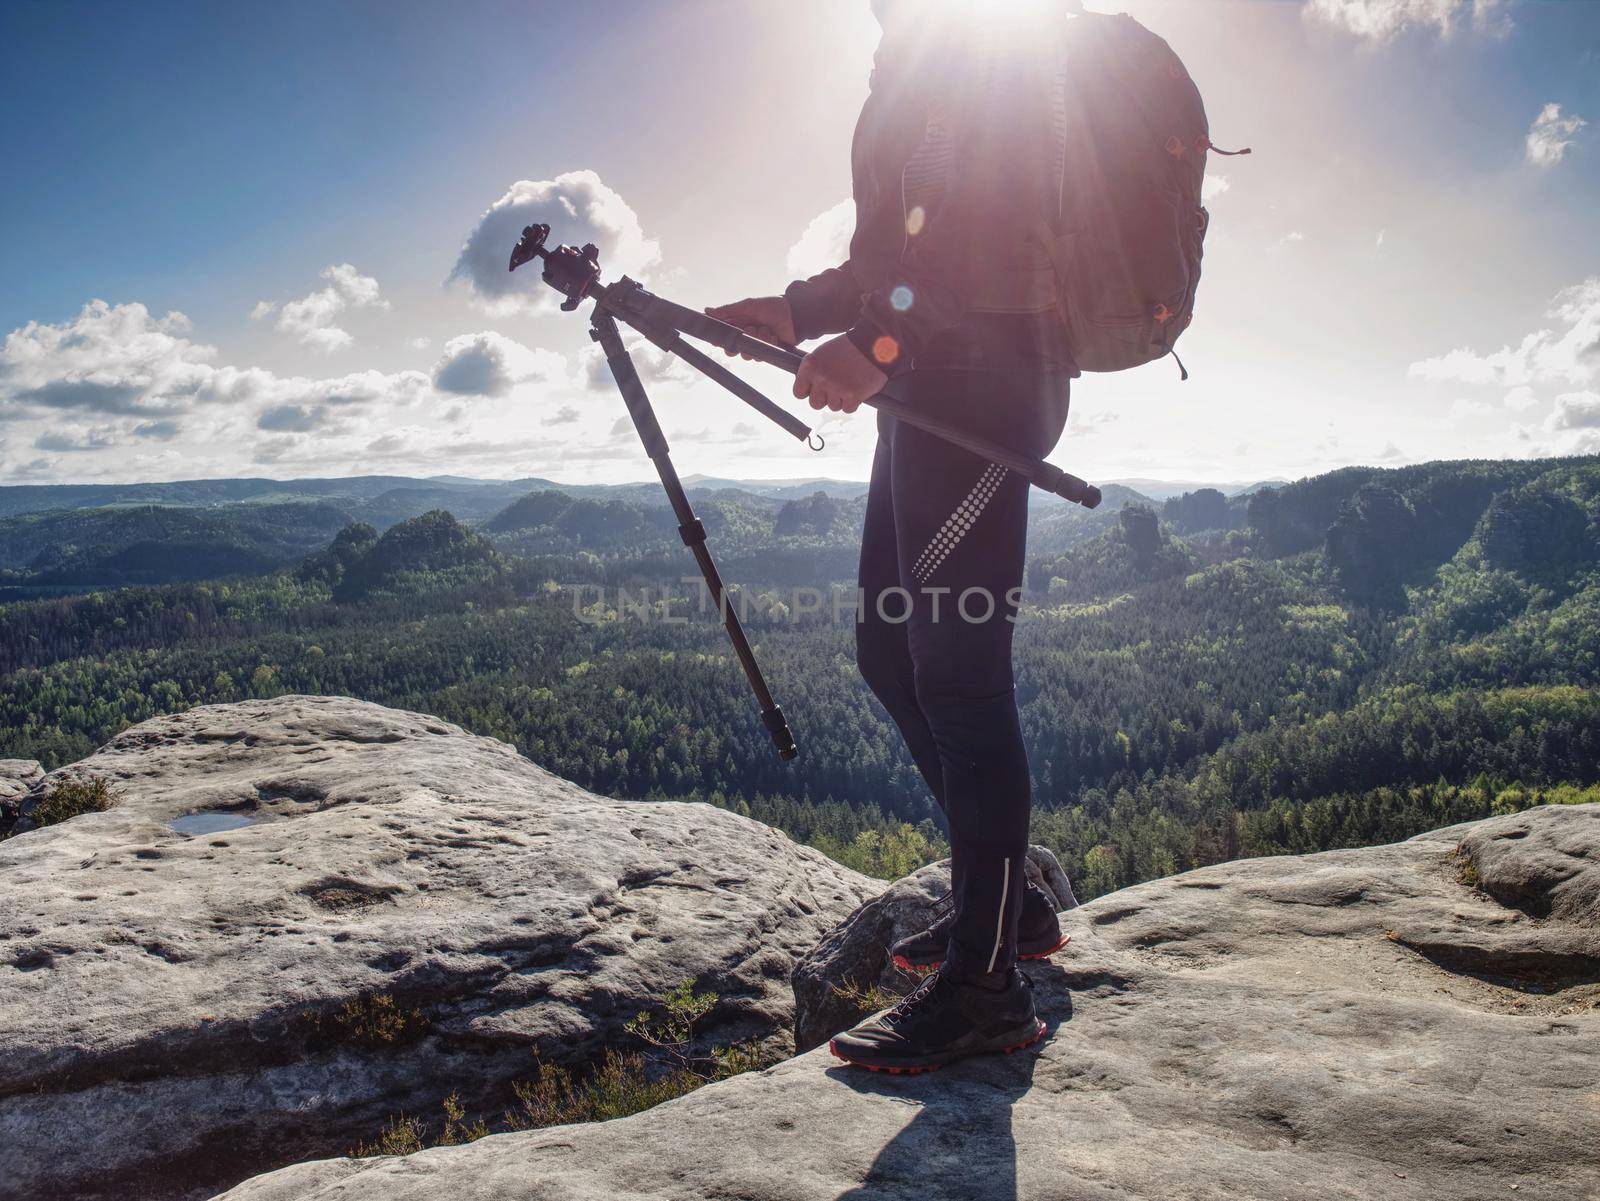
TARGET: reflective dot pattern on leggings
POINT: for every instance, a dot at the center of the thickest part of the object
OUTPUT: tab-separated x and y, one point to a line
958	523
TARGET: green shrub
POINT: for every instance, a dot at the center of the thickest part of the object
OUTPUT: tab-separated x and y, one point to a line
402	1136
672	1030
374	1020
865	999
73	796
621	1084
377	1021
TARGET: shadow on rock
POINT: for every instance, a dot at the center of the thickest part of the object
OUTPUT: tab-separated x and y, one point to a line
962	1135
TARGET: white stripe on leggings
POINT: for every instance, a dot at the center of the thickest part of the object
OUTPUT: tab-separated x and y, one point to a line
1000	925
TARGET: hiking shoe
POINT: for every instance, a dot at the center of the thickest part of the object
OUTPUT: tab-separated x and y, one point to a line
1038	934
941	1021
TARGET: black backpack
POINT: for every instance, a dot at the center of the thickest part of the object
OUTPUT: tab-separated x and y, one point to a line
1127	247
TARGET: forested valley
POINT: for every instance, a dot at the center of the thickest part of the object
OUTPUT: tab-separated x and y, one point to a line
1347	659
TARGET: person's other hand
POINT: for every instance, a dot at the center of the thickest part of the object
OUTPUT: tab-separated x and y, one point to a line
837	376
764	317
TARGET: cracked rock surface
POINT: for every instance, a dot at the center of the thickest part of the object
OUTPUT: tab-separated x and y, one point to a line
360	911
17	777
1414	1022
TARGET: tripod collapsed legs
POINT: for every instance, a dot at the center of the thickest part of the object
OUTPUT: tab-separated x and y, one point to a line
690	528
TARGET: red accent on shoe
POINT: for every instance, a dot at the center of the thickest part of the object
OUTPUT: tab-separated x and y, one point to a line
1065	939
1038	1033
834	1051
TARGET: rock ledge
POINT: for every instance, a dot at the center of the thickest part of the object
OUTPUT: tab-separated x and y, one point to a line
183	1007
1353	1025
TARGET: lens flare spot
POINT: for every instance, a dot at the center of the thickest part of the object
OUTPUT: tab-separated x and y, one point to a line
886	350
902	298
915	220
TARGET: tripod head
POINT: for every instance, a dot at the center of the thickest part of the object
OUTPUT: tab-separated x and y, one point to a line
571	272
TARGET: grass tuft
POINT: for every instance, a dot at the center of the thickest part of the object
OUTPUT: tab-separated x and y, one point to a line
619	1085
73	796
377	1021
866	999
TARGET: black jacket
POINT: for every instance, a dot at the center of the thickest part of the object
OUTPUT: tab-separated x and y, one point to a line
952	174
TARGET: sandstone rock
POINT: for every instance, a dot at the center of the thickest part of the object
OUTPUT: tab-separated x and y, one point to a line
178	1010
17	776
855	956
1265	1030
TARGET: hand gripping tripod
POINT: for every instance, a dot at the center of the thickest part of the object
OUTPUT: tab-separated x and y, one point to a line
575	274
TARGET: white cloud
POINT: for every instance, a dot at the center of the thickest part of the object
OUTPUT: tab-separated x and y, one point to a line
825	242
1383	20
1571	355
654	365
1521	399
34	469
338	405
1551	134
1214	186
76	437
117	393
111	359
311	318
1085	423
145	380
579	208
1575	411
1469	408
737	435
1587	443
490	364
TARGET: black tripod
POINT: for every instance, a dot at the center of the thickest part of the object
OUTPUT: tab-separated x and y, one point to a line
576	275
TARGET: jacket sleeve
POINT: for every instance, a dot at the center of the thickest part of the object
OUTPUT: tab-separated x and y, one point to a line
990	200
824	304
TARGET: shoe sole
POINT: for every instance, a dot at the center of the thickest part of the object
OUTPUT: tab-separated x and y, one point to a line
921	1069
922	969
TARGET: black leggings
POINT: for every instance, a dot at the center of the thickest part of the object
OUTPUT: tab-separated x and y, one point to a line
941	575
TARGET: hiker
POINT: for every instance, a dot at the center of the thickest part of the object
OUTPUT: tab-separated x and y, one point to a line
947	302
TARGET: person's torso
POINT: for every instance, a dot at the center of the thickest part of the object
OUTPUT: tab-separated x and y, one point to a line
902	158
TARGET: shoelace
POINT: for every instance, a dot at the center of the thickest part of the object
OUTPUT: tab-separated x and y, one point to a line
922	992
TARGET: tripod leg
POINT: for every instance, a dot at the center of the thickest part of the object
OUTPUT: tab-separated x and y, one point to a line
690	528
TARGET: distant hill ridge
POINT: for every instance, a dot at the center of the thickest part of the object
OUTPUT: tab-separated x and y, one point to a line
33	498
1381	527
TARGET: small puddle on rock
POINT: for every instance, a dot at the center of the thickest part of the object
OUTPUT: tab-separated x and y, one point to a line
210	823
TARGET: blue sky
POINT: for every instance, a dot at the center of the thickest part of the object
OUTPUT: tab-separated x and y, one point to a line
1395	274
